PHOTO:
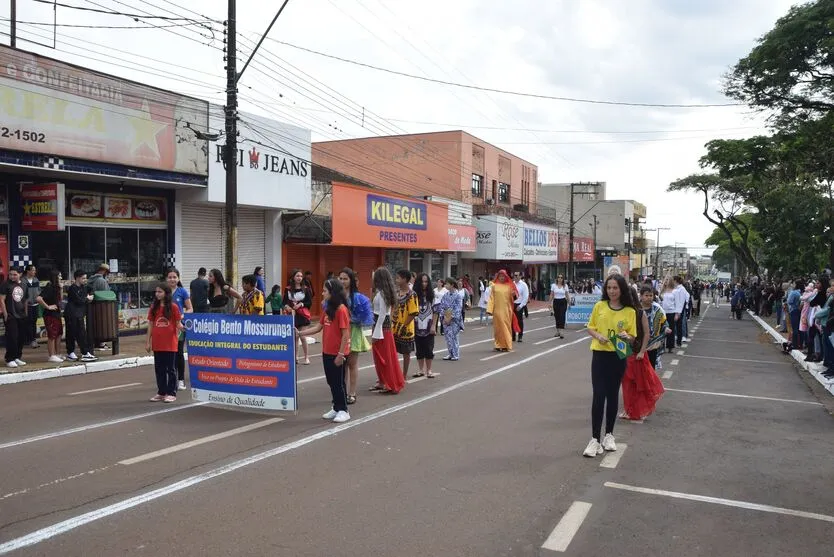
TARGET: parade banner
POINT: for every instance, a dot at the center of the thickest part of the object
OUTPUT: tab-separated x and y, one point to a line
246	361
579	311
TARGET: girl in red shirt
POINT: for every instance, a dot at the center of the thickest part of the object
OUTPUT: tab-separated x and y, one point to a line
335	346
163	332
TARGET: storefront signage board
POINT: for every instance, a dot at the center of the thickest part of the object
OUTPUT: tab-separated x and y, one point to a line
498	239
463	238
541	244
64	110
43	207
371	218
84	206
583	249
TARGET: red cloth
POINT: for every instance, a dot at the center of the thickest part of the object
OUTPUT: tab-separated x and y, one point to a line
387	363
164	333
642	388
508	280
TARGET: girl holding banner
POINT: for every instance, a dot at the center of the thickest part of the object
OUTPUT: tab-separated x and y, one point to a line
612	326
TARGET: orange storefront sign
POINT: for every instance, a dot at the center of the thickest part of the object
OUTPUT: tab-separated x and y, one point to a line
372	218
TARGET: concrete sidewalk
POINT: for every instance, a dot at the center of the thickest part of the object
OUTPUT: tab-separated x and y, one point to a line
132	354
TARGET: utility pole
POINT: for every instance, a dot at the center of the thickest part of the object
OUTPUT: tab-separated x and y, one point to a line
595	248
13	24
657	253
570	272
231	145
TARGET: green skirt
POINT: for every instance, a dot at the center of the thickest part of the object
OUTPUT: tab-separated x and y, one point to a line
358	341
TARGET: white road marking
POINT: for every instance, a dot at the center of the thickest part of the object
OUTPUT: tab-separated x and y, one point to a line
721	501
495	356
746	396
104	389
680	352
729	341
735	359
611	459
667	374
198	442
675	362
442	350
77	521
545	341
56	482
561	536
97	425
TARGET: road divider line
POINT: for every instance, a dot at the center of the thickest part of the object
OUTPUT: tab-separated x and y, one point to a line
441	351
732	395
734	359
76	393
74	522
721	501
667	374
198	442
611	459
675	362
561	536
98	425
495	356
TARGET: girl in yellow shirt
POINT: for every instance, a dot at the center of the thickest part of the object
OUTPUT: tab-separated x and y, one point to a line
613	316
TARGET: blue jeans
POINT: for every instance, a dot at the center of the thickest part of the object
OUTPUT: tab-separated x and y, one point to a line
827	348
797	335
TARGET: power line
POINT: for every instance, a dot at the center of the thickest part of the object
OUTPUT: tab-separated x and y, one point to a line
81	26
504	91
103	10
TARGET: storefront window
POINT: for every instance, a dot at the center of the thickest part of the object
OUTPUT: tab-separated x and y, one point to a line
415	261
436	266
395	259
151	263
51	253
86	249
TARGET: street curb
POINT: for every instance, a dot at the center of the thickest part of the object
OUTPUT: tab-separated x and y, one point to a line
797	355
79	369
110	365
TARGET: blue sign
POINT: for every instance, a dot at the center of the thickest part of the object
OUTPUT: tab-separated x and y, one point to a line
396	213
579	311
247	361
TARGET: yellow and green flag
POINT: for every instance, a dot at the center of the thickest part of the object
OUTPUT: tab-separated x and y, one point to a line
621	347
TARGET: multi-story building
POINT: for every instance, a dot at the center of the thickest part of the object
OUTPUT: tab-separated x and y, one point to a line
489	197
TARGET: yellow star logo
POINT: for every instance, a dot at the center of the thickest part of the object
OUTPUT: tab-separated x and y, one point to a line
145	130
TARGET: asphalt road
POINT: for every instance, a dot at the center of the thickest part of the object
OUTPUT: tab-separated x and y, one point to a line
485	460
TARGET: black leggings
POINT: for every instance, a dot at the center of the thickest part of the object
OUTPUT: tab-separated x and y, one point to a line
607	371
181	360
336	380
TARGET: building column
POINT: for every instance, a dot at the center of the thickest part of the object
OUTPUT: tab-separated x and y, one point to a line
274	233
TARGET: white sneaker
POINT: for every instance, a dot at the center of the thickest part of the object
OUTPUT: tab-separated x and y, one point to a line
34	344
88	358
593	449
20	362
55	359
685	339
608	442
181	386
72	357
11	364
341	417
329	415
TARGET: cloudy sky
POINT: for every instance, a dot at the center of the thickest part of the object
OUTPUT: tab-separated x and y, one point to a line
641	51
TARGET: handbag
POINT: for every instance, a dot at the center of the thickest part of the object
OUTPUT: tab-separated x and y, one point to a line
305	313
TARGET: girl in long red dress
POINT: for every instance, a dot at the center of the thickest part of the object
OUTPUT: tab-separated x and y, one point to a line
389	374
642	387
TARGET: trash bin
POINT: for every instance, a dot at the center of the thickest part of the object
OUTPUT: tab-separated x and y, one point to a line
103	319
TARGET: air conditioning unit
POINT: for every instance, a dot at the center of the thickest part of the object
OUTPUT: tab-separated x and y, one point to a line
490	201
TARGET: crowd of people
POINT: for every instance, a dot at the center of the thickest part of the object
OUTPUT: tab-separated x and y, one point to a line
631	325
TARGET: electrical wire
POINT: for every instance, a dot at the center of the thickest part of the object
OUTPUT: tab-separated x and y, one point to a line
81	26
505	91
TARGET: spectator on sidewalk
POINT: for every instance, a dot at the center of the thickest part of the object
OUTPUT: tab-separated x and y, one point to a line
253	298
77	300
13	308
98	283
164	324
199	292
50	300
180	296
275	300
33	290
